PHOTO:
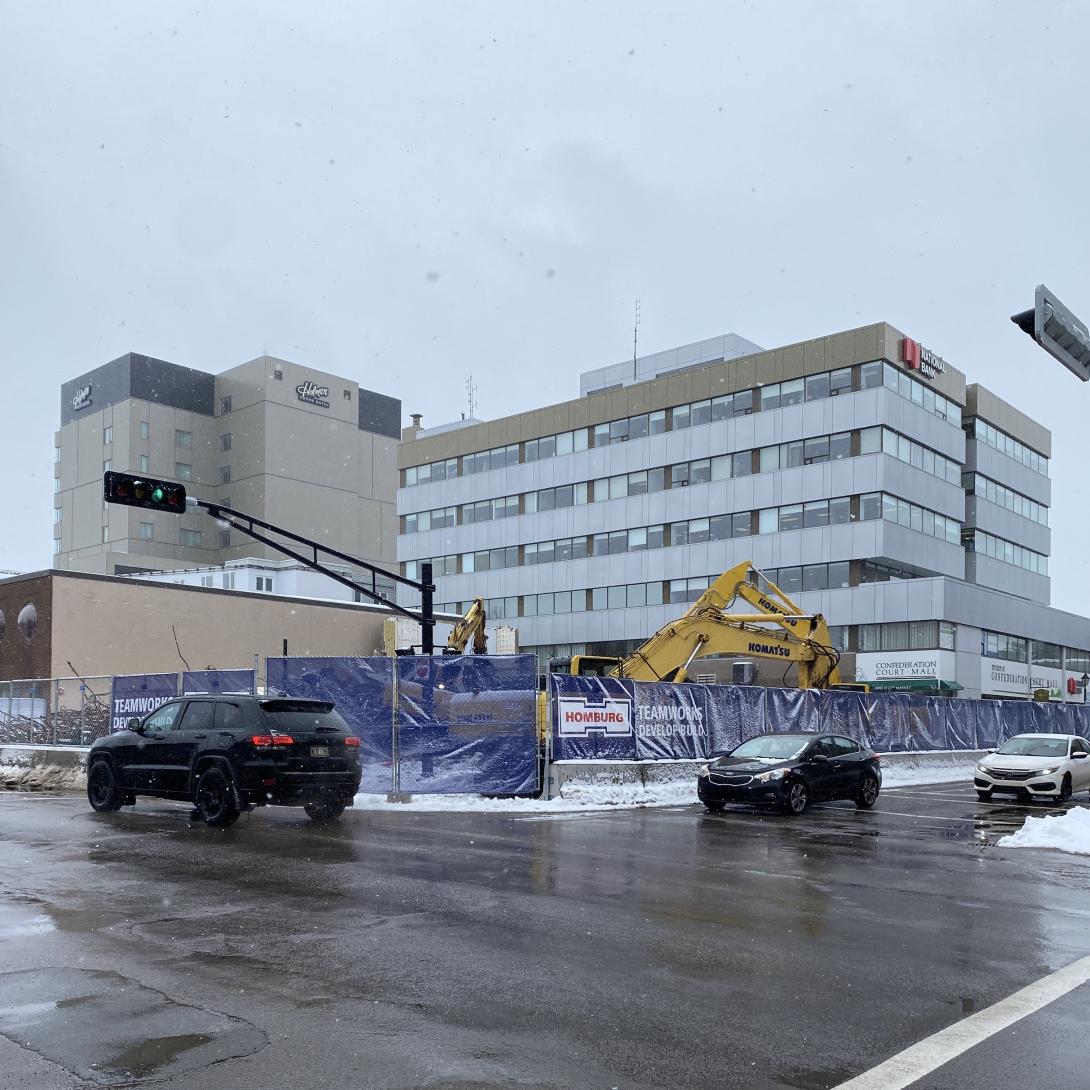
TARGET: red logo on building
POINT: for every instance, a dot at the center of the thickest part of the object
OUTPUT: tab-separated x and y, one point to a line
910	353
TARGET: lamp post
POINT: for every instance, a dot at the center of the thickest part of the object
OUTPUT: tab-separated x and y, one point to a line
1085	679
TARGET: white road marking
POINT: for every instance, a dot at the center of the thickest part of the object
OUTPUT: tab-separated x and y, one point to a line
1030	808
940	1048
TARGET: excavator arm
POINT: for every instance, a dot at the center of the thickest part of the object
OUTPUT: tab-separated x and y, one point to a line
469	627
777	631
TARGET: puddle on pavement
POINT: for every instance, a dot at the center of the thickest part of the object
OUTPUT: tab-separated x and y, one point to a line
19	922
110	1030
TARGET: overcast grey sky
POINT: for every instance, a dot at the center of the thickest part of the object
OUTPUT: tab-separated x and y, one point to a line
407	193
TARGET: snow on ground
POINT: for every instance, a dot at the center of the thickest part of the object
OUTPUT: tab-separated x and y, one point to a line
931	768
1067	833
587	797
582	799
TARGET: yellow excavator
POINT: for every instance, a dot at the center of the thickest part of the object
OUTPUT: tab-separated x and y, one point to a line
469	627
779	632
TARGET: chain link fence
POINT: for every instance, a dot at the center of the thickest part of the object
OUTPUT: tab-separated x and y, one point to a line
64	711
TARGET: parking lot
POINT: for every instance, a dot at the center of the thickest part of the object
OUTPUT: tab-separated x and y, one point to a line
629	949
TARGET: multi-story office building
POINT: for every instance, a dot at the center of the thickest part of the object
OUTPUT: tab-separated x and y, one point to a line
858	471
298	447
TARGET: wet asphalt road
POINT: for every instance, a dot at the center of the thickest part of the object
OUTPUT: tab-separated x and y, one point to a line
635	949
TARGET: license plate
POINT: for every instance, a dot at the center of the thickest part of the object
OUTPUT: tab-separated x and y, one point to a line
319	751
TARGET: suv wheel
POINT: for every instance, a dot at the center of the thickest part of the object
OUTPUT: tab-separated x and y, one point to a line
214	797
323	809
798	798
102	792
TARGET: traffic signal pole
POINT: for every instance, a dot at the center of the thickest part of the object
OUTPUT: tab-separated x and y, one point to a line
248	524
134	490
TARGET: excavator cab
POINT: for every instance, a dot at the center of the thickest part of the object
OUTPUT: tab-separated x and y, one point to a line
584	665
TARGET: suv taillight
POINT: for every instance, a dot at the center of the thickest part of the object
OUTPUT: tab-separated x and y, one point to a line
267	741
352	740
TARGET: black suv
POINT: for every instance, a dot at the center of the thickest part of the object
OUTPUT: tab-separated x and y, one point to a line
226	754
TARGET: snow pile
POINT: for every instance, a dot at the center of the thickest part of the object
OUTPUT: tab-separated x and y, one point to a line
42	778
1068	833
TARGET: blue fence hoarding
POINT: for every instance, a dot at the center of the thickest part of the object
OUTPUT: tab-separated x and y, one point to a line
612	719
136	695
217	681
464	723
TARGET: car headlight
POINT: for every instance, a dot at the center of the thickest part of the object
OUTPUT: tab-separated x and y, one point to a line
1045	771
983	768
774	774
702	772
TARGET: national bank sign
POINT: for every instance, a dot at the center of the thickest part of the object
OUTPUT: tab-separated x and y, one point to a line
917	358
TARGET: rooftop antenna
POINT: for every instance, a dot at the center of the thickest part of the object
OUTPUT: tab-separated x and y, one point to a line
471	397
635	340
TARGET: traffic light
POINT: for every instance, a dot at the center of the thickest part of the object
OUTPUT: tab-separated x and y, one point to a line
136	491
1057	331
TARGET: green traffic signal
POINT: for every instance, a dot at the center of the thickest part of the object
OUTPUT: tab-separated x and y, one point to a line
136	491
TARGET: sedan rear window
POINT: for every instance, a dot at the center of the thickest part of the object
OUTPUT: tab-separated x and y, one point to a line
1034	747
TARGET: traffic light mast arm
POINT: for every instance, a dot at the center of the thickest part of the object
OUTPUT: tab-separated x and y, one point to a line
239	520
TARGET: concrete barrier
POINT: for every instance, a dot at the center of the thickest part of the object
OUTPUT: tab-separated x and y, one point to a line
588	779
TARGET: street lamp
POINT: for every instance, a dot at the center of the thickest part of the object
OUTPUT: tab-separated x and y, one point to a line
1085	679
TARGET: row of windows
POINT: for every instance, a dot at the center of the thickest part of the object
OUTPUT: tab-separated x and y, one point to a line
984	432
919	393
832	512
699	471
772	396
181	438
791	580
913	517
974	483
1008	552
915	454
906	636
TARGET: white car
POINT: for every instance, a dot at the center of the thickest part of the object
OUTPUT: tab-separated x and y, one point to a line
1046	765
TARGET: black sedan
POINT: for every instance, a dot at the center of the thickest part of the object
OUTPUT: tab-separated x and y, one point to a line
226	754
792	770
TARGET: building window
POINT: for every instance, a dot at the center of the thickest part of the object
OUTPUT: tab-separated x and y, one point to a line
191	537
147	531
105	534
107	435
225	441
27	621
225	405
227	580
143	463
263	583
225	539
106	464
183	471
206	580
183	438
145	429
348	395
225	474
56	550
278	374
